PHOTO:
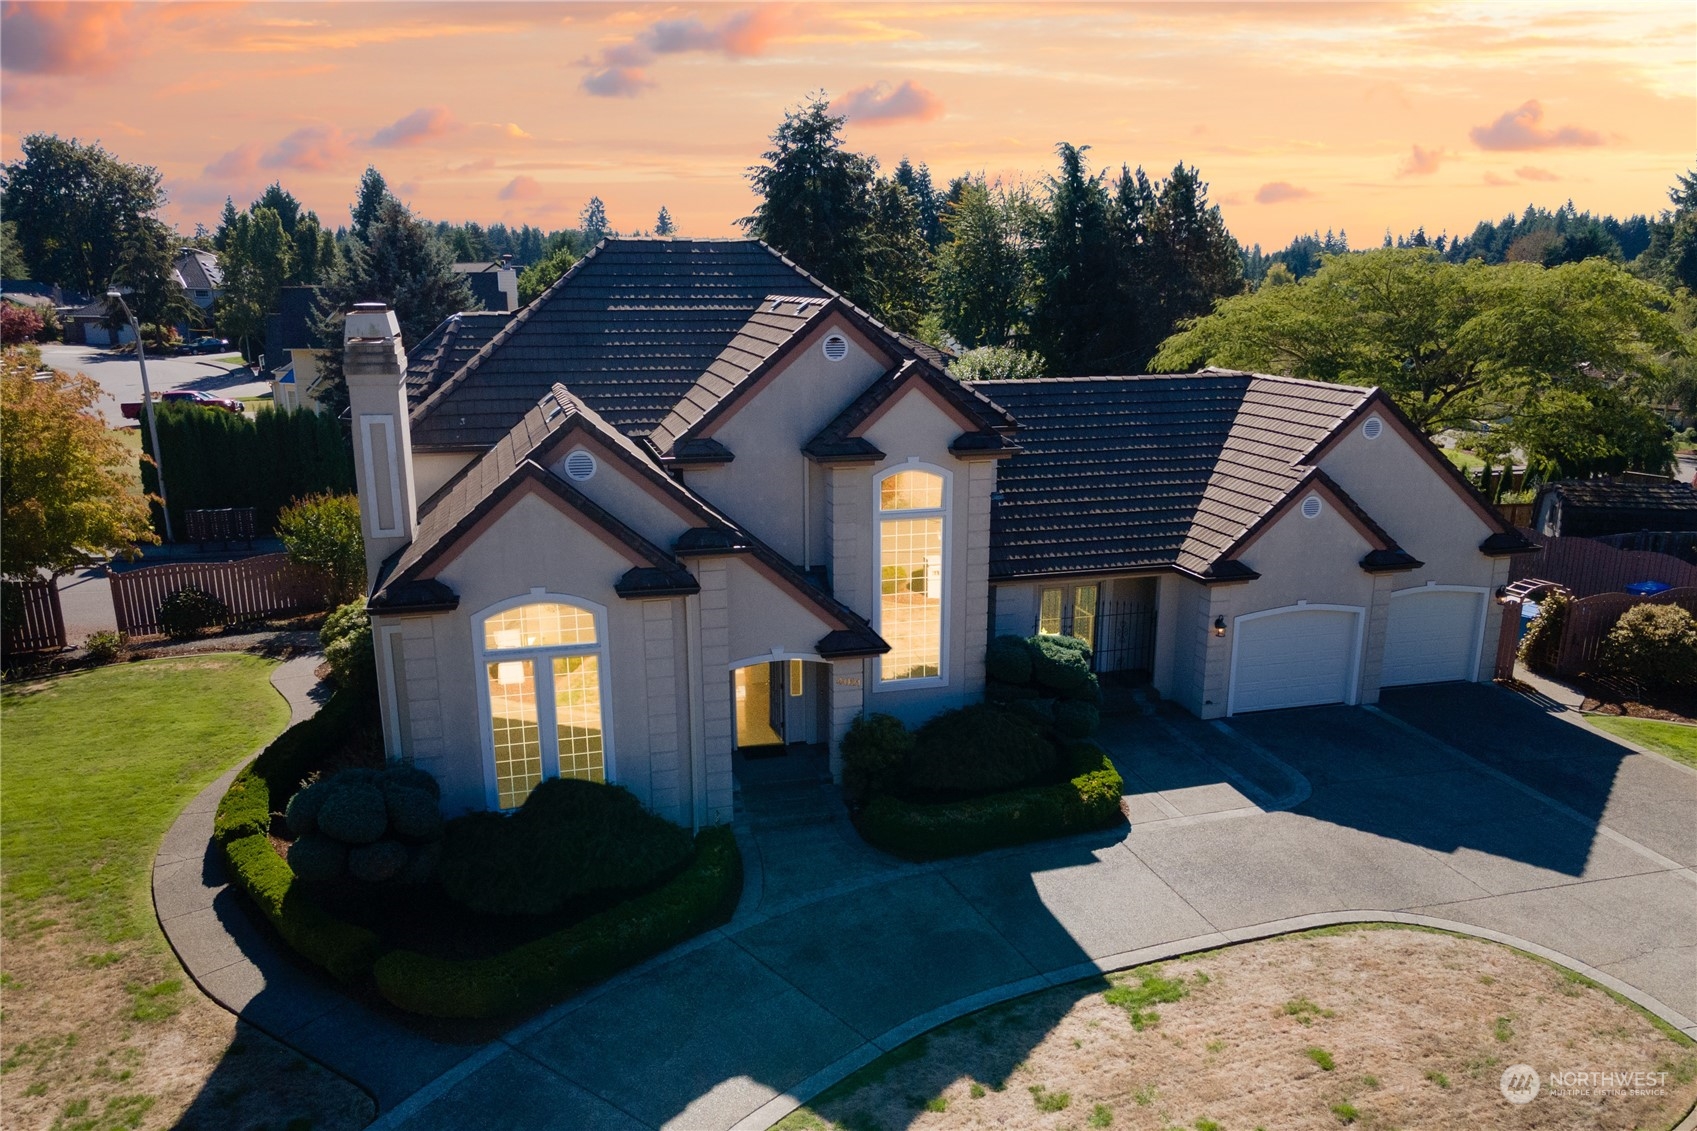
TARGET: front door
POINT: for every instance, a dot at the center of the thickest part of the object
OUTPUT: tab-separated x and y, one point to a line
759	705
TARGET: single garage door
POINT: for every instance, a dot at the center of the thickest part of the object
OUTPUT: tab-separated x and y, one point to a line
1294	658
1433	636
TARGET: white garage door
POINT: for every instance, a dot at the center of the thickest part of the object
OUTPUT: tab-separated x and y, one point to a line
1433	636
1295	658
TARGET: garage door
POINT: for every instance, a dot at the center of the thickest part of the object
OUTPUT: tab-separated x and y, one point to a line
1433	636
1295	658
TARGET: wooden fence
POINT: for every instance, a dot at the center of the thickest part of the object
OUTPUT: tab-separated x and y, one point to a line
1520	514
35	622
1590	619
1587	567
252	589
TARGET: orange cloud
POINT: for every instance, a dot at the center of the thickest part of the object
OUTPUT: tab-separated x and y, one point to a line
1421	162
617	72
520	188
1499	180
310	149
236	164
878	104
1277	192
1522	129
60	39
420	125
1533	173
513	129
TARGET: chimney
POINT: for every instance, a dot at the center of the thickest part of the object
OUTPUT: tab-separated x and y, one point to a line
375	366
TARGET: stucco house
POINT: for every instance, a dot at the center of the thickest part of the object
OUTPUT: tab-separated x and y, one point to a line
691	500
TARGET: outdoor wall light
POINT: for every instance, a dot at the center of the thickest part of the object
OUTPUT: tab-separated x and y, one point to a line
1219	626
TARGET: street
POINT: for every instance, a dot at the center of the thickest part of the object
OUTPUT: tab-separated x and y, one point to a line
120	377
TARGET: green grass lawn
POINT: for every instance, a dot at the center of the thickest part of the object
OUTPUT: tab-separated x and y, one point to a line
98	765
1677	741
1467	461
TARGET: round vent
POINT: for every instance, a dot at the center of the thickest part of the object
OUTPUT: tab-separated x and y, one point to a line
580	465
1373	428
835	347
1311	507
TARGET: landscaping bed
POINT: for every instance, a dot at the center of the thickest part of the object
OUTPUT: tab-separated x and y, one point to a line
1375	1026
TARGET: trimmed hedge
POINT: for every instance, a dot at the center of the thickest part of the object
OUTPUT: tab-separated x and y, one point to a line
1090	800
246	807
979	748
343	949
540	972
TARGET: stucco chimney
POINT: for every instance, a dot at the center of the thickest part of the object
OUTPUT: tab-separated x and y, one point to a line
375	366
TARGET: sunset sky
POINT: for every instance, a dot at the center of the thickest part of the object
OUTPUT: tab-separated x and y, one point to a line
1360	116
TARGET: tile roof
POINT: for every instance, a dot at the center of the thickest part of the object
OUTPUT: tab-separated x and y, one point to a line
1623	505
440	353
198	270
630	328
1128	473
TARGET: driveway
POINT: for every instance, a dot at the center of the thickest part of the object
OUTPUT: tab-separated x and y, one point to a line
1459	805
119	376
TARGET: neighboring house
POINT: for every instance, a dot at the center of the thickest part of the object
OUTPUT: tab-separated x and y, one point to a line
86	325
1592	508
690	500
198	272
293	350
496	285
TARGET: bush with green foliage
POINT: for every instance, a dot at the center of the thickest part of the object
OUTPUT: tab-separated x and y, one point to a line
875	753
1653	645
189	611
977	749
105	646
322	533
1090	799
346	640
1047	679
570	838
368	825
1540	648
535	974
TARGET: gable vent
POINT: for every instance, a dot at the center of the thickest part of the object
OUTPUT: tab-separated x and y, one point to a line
1373	428
1311	507
835	347
580	465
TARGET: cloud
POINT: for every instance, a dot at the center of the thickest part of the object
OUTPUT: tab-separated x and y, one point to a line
1277	192
481	165
520	188
1533	173
618	70
1523	129
512	129
61	39
616	82
420	125
1499	179
310	149
236	164
1420	162
878	103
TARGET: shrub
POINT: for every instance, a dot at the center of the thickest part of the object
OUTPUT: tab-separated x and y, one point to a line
354	812
1059	663
1008	660
302	812
1540	649
413	813
314	856
359	807
1089	800
1654	645
1075	719
322	532
979	748
874	752
703	895
570	838
343	949
346	640
188	611
378	861
19	323
105	646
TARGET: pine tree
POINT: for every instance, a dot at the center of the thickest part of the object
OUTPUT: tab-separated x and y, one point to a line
663	225
373	192
145	271
592	221
979	277
926	197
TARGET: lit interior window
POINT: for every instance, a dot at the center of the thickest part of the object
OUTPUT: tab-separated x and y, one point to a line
536	736
910	573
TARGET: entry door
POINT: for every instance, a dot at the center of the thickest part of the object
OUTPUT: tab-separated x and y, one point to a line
759	704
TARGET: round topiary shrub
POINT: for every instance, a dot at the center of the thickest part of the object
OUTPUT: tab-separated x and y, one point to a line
1090	691
354	812
413	813
302	812
406	775
1653	645
378	861
422	861
315	856
979	748
1076	720
1008	660
1059	663
188	611
874	752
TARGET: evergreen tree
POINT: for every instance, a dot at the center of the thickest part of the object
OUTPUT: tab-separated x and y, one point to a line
979	277
13	265
258	259
373	193
897	257
663	225
1073	268
145	272
226	224
1193	260
592	222
926	197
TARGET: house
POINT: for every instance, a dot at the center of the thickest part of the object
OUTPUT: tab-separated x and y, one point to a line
293	349
198	272
691	500
86	325
1625	504
495	285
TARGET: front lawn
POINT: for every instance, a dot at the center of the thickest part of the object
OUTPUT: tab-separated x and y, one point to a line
101	1025
1676	740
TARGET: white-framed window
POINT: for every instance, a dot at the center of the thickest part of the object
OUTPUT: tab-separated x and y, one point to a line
1068	611
913	509
543	693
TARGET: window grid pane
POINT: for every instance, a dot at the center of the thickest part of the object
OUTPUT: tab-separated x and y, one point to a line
577	717
911	597
1084	614
518	740
910	491
1049	613
545	624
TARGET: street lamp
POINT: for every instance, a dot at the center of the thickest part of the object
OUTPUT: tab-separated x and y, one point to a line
147	410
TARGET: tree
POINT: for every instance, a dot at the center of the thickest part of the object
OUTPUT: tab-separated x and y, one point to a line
539	277
1592	429
979	279
1193	260
145	269
1075	303
663	225
1449	342
13	265
401	263
926	197
322	532
74	206
65	480
996	363
592	222
897	258
257	260
368	203
1671	257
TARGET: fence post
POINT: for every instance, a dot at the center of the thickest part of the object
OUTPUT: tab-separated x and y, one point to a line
1508	638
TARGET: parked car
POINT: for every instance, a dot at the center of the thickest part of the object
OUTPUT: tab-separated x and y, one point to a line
207	345
132	409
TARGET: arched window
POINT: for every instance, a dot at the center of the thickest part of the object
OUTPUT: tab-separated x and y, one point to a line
542	686
912	509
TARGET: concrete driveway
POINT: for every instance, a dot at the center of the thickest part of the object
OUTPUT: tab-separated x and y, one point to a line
1460	805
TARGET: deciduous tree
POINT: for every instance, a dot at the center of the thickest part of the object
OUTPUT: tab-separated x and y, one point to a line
75	206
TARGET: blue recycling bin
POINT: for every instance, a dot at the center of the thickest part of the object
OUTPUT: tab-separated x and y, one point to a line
1647	588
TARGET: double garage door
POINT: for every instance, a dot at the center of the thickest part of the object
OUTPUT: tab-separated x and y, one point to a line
1305	656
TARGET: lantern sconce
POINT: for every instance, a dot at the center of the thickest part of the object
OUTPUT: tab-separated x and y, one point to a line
1219	626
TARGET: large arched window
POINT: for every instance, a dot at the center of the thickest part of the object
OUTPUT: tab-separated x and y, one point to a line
542	687
912	510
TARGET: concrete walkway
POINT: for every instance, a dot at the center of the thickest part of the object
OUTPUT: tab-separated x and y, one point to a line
1458	806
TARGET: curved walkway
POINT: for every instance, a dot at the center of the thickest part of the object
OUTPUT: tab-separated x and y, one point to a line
1462	807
